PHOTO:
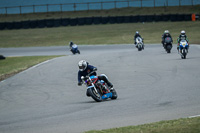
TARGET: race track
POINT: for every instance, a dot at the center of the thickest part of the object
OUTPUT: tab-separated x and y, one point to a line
152	86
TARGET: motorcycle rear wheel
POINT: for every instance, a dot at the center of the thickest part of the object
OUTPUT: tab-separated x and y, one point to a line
114	94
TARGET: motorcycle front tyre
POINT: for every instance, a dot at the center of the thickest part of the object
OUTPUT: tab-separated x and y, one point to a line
96	96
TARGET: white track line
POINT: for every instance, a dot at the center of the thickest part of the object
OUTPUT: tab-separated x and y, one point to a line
194	116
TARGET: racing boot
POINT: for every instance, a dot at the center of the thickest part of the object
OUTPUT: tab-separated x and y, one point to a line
110	86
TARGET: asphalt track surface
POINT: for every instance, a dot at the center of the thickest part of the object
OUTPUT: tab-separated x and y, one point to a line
151	84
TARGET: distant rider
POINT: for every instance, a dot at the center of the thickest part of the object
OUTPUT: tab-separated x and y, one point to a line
166	34
85	69
182	36
71	44
137	35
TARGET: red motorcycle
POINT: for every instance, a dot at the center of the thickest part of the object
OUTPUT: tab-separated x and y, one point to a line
98	89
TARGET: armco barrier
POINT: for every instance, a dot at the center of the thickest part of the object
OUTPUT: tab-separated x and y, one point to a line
93	20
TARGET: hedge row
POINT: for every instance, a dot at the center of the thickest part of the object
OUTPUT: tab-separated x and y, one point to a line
93	20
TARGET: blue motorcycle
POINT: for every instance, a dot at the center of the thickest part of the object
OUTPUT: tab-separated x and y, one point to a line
74	49
183	48
98	89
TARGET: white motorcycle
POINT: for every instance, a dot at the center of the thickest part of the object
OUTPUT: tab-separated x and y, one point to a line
139	43
183	48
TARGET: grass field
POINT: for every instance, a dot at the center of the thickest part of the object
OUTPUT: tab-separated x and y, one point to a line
186	125
12	65
98	34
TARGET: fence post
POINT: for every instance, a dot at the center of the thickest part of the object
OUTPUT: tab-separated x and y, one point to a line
33	8
141	3
179	2
167	3
192	3
101	5
47	8
60	7
74	7
115	4
88	5
128	3
6	10
20	9
154	4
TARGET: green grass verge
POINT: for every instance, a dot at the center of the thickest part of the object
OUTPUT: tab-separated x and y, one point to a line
112	12
13	65
97	34
186	125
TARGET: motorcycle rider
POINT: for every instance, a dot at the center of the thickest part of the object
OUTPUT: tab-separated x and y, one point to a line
137	35
166	34
70	45
85	69
182	36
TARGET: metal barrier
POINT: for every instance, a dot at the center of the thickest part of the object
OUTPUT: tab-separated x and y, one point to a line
93	6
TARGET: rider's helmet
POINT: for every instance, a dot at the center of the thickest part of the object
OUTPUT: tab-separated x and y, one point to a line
182	32
166	32
71	43
82	65
136	32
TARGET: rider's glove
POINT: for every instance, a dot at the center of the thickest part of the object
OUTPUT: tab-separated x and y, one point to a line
79	83
94	69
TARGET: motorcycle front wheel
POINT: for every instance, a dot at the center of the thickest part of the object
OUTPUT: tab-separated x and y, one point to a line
95	95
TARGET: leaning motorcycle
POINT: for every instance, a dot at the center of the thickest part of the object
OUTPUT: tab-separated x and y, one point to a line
183	48
139	43
74	49
168	44
98	89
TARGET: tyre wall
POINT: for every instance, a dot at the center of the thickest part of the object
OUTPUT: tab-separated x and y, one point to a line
94	20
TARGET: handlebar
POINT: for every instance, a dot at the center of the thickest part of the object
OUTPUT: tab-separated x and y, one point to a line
87	76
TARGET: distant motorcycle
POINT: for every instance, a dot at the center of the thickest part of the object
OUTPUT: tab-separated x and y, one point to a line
74	49
168	44
139	43
183	48
98	89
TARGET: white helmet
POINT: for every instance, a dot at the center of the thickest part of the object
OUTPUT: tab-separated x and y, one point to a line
82	65
183	32
166	32
136	32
